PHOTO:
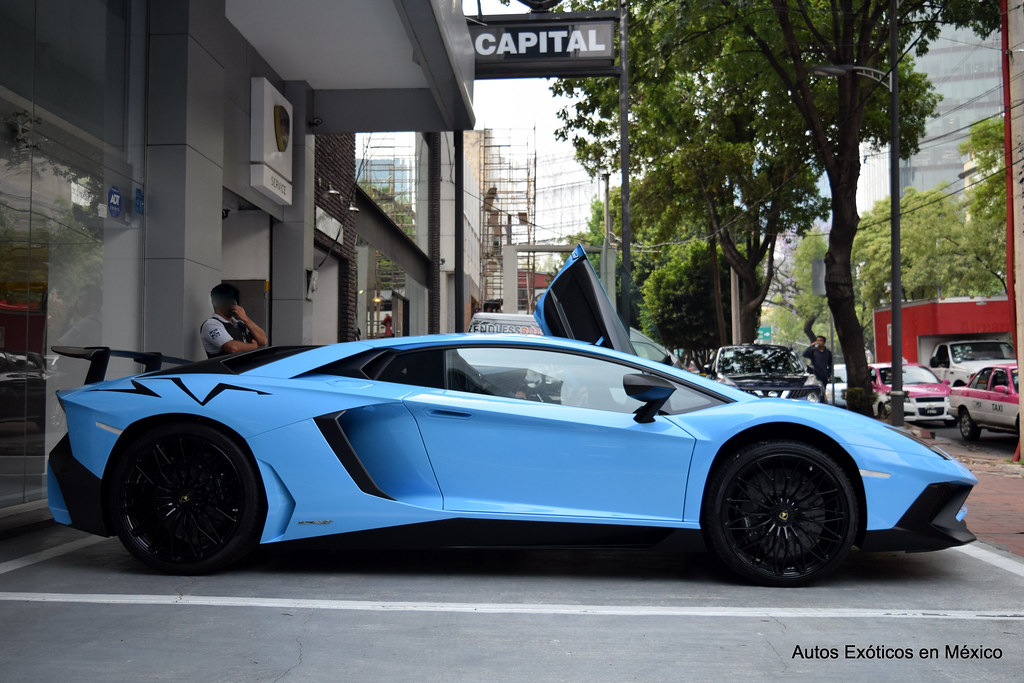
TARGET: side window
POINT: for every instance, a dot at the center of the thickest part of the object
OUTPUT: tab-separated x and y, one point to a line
998	379
981	379
943	356
556	378
420	368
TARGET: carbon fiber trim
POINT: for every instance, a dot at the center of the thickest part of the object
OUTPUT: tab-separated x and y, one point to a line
330	427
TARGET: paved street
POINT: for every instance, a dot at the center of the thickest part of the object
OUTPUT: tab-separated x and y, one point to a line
78	607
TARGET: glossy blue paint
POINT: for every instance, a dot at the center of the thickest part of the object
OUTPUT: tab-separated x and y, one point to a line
444	454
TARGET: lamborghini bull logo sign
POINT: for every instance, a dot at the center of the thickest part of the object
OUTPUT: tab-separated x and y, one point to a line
270	142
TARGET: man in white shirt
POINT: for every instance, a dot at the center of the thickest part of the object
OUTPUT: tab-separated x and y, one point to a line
230	330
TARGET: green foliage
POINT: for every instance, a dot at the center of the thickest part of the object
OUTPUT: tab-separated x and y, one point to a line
797	312
942	253
679	294
746	67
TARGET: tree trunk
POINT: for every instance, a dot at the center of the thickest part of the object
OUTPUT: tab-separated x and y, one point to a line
716	288
839	284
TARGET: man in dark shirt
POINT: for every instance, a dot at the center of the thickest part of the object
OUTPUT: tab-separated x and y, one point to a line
821	360
230	330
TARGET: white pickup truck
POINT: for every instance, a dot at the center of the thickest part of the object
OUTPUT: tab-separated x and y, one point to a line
958	360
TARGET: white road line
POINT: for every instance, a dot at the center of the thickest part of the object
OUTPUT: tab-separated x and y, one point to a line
48	554
511	608
980	552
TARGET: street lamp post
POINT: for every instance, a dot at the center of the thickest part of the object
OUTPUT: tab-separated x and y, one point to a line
896	394
891	81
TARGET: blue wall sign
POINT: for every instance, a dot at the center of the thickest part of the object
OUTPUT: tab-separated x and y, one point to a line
140	201
114	202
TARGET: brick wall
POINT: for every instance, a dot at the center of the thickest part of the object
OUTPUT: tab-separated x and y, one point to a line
336	167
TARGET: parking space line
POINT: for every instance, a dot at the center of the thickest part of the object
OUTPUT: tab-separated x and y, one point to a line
511	608
980	552
48	554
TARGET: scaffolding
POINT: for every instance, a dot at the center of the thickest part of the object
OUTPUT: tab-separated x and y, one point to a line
507	171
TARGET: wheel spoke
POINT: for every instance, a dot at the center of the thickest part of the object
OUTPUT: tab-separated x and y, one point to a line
181	499
785	515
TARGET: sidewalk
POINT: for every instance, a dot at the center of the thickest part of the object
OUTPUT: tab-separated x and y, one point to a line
996	505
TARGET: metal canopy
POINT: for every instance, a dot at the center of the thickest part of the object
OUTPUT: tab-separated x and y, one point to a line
373	66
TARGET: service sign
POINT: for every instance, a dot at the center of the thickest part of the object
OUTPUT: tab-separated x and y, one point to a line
548	47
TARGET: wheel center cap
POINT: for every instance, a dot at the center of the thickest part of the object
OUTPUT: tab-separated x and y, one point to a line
185	498
784	515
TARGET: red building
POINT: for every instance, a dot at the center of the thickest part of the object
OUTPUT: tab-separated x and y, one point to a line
926	323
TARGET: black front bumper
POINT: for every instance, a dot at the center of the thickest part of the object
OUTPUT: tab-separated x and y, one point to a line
82	490
930	523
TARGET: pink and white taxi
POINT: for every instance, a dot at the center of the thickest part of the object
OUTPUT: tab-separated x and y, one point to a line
926	397
989	400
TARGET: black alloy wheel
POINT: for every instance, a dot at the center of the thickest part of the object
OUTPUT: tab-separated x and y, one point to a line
780	513
969	429
185	499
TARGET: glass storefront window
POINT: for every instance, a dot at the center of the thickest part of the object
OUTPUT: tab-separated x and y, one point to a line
71	186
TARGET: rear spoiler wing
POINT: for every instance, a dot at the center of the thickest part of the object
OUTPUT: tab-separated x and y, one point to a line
99	357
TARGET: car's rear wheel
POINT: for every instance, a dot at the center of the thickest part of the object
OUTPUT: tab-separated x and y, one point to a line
969	429
780	513
186	499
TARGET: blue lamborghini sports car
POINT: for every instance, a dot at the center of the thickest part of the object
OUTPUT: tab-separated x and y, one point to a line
490	440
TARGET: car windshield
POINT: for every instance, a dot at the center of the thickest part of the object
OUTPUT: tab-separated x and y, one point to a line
912	374
759	360
982	350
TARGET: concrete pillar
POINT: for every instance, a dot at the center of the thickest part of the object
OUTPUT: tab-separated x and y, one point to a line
291	317
184	163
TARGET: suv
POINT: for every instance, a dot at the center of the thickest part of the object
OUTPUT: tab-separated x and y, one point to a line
765	370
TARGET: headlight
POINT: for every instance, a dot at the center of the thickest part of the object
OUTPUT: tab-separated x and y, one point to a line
930	446
726	380
814	398
811	380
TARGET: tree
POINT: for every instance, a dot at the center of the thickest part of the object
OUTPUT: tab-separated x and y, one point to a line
709	161
770	46
984	237
797	311
942	255
679	293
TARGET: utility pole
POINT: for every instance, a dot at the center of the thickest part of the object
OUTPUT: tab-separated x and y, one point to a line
734	302
896	395
607	253
1014	40
627	231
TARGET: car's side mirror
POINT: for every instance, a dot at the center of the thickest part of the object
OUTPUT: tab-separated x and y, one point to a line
652	390
1001	389
946	382
934	362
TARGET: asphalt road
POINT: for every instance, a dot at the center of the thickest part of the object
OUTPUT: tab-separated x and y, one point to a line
996	442
76	607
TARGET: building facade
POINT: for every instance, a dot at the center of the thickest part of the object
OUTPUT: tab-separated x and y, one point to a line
966	72
152	149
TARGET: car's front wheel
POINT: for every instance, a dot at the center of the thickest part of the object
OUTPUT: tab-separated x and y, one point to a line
969	429
780	513
186	499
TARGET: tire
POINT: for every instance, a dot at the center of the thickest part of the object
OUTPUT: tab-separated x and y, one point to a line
780	513
186	499
969	429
